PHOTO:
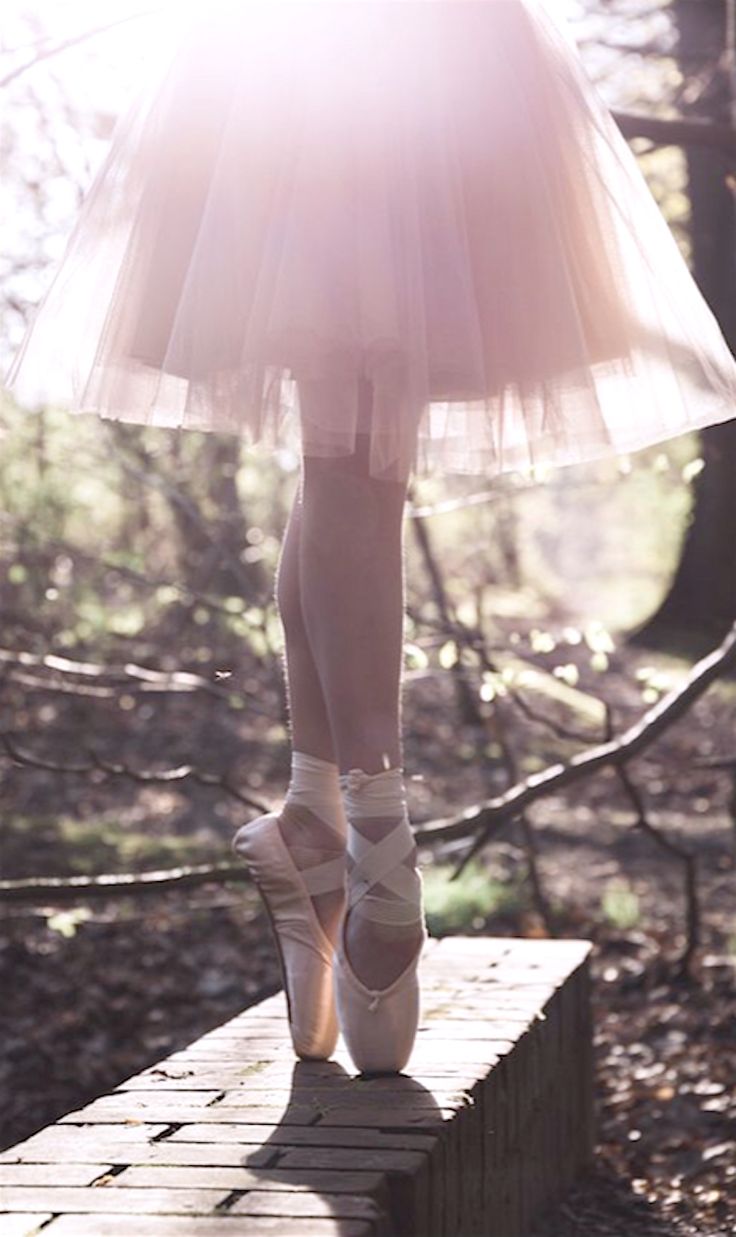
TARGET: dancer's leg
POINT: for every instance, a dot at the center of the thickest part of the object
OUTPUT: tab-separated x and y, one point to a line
310	726
313	805
352	590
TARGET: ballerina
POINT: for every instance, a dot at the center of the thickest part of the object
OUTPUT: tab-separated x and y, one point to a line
401	237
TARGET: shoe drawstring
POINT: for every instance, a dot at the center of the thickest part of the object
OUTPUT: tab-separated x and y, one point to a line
374	1003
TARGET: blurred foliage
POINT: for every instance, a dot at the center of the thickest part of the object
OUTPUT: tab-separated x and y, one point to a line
92	532
620	905
69	846
465	904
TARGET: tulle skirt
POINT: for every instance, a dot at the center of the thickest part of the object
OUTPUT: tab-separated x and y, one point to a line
413	219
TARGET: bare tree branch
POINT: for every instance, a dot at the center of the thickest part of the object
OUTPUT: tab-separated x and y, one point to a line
56	48
677	132
467	700
485	817
97	764
686	858
57	890
482	819
108	680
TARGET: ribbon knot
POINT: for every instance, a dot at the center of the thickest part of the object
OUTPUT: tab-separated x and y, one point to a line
356	778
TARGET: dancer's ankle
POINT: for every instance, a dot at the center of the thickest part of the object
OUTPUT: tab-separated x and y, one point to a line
313	826
385	902
314	791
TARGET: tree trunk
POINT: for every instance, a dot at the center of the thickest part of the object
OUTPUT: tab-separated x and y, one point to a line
212	524
701	603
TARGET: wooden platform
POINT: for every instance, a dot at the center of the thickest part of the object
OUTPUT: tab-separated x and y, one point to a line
233	1136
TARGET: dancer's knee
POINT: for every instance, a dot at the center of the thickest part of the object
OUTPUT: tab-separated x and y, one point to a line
342	495
355	464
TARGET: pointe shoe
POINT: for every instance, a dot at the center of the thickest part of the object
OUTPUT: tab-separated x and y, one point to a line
304	948
379	1025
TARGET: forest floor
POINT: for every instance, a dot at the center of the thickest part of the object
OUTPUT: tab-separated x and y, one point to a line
102	990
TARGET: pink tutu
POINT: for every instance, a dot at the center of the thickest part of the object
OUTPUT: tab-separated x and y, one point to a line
410	217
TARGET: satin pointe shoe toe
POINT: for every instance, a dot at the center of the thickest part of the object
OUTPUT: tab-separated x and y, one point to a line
379	1025
305	951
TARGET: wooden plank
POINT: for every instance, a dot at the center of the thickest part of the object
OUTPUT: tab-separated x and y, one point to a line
272	1007
23	1225
354	1099
54	1136
407	1174
133	1202
233	1049
400	1118
193	1076
301	1136
115	1110
51	1174
256	1154
138	1108
248	1049
236	1082
310	1205
160	1177
455	1069
431	1052
353	1159
259	1225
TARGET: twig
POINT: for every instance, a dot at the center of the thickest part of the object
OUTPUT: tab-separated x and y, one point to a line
149	476
74	41
78	888
539	896
481	819
677	132
130	676
689	862
466	697
97	764
506	492
190	595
